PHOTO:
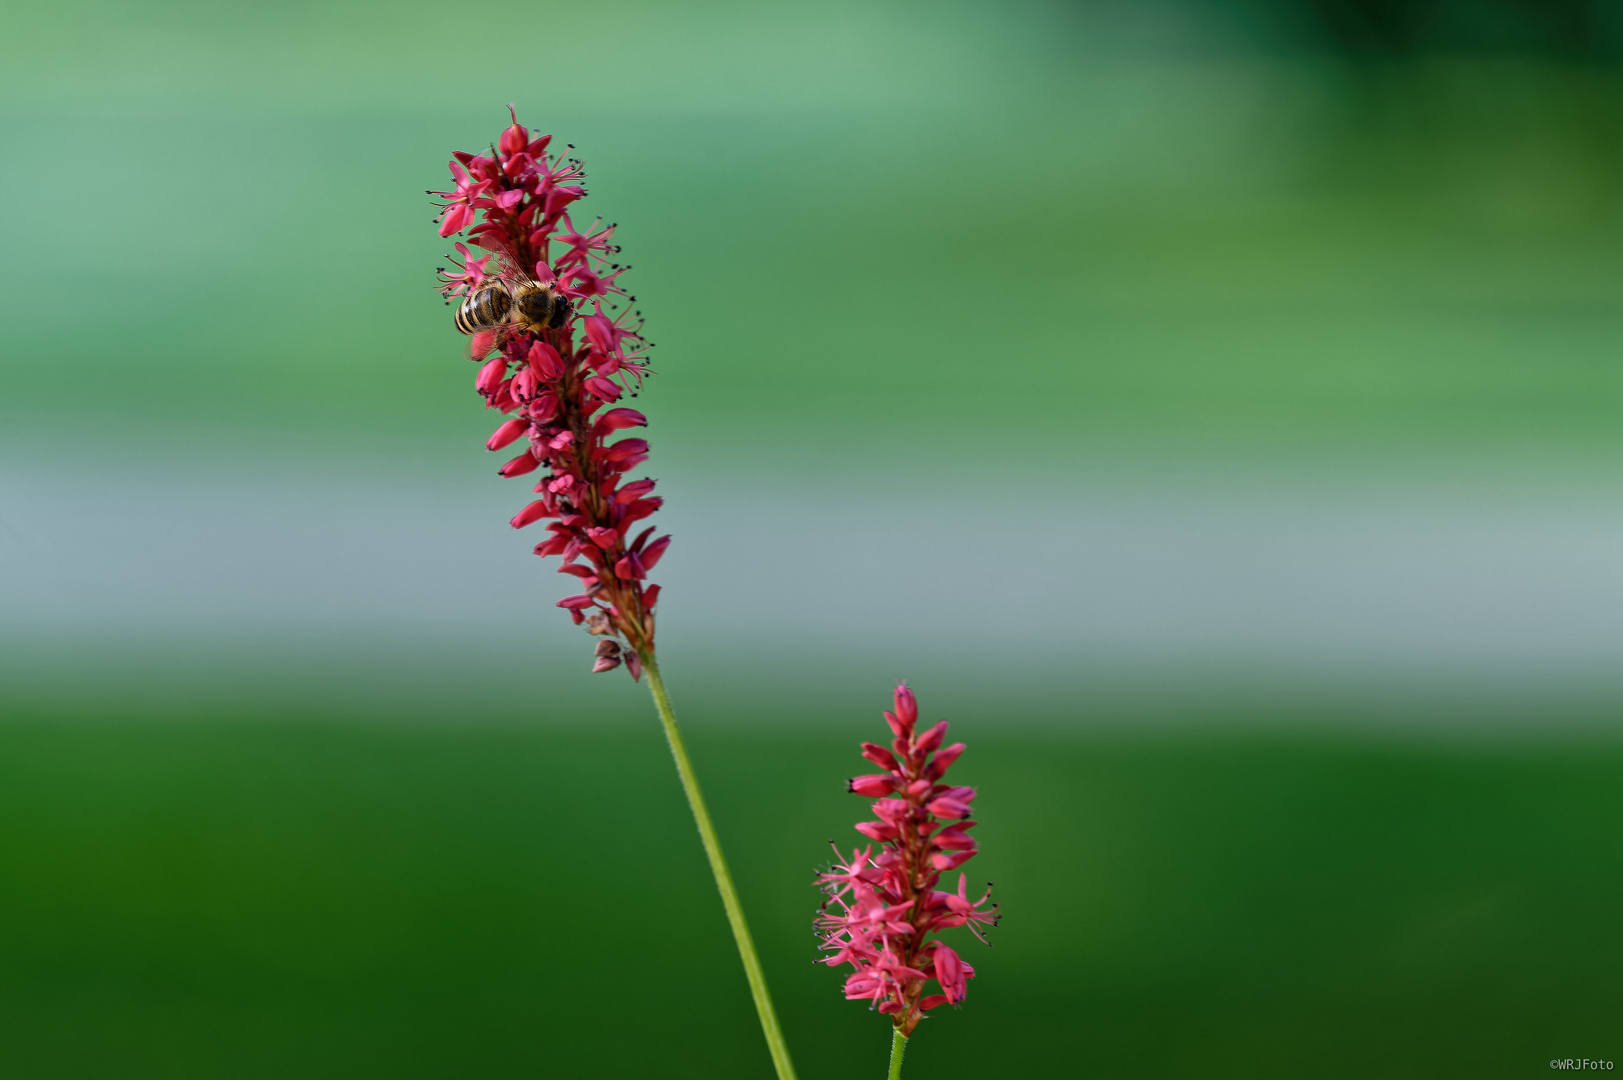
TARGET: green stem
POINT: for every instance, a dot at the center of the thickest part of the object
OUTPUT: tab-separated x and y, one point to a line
718	867
898	1047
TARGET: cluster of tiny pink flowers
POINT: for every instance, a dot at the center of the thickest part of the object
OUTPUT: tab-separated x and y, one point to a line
558	391
882	909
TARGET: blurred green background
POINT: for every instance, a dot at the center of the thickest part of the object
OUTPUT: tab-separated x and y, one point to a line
1210	406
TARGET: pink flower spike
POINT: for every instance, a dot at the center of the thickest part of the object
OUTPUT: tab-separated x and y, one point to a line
883	910
564	362
559	344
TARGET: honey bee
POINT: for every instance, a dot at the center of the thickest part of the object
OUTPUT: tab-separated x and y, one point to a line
512	301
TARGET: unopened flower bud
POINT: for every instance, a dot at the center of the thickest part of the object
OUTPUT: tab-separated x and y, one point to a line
515	139
948	808
615	419
932	738
872	787
524	385
520	465
544	407
651	554
907	708
950	972
601	333
530	514
507	434
943	761
491	375
879	756
545	360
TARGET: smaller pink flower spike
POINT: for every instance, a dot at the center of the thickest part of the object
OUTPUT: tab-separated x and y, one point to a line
884	914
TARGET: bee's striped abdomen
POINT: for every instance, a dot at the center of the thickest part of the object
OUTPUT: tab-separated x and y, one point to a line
484	309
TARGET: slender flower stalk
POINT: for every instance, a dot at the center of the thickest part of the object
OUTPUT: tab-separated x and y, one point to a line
884	915
546	300
898	1047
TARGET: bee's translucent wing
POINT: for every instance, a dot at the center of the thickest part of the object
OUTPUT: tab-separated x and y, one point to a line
508	266
484	342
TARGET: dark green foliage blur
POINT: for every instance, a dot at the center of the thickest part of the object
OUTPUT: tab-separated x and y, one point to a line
352	900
